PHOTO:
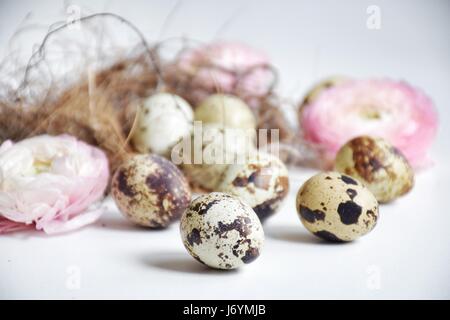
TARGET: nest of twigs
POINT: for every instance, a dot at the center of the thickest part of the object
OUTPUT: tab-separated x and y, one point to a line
100	107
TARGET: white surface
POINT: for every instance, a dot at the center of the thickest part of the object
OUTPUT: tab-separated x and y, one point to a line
406	256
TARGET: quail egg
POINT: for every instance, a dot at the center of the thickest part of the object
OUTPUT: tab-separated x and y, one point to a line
323	85
150	191
163	120
217	147
227	110
221	231
336	207
261	181
378	164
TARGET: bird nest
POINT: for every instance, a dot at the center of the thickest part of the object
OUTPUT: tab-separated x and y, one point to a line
96	99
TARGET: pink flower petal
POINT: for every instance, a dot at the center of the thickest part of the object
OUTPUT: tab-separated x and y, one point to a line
54	182
7	226
227	67
379	107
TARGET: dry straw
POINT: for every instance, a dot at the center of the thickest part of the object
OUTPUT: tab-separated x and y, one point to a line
99	106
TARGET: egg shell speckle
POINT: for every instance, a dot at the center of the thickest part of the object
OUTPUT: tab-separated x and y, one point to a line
336	207
150	191
262	182
221	231
378	164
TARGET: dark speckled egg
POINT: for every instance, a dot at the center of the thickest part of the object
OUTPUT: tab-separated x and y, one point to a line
221	231
378	164
262	182
150	191
336	207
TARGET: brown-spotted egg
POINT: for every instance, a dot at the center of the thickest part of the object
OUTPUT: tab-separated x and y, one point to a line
320	87
336	207
150	191
221	231
378	164
261	181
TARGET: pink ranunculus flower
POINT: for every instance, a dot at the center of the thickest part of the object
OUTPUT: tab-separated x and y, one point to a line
228	67
378	107
51	183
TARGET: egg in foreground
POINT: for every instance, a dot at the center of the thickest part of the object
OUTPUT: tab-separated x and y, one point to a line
336	207
378	164
221	231
150	191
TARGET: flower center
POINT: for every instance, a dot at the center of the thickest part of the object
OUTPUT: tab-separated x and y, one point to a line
370	113
42	166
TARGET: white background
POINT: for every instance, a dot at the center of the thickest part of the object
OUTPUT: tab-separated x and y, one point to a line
406	256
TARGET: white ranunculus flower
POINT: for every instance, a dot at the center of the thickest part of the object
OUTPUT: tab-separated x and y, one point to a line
48	182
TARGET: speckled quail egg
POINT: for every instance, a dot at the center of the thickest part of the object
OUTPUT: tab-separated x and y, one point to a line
227	110
378	164
150	191
336	207
221	231
163	120
219	147
261	181
323	85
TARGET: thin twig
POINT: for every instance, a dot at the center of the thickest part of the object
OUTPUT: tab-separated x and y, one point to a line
41	50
